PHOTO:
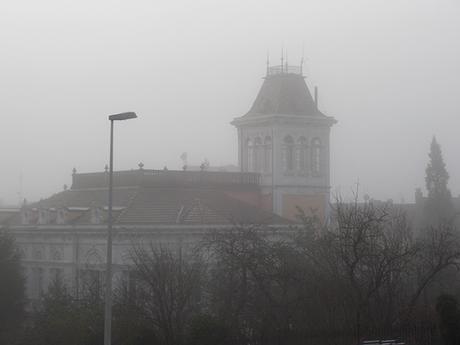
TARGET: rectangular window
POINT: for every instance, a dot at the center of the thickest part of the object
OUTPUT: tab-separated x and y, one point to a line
91	281
38	282
56	274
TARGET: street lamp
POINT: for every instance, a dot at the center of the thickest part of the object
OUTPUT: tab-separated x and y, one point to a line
108	264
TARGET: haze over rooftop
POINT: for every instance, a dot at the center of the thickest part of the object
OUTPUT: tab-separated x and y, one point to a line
387	70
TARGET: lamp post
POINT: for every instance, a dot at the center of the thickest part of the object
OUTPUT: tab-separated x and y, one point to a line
108	265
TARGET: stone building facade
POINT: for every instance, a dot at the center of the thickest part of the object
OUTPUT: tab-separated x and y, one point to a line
283	159
65	235
285	138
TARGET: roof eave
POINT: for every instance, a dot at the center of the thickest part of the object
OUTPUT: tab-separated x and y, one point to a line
270	118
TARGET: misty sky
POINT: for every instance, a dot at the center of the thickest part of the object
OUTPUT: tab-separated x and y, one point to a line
387	70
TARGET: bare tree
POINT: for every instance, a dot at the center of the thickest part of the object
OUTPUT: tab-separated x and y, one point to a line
438	250
168	290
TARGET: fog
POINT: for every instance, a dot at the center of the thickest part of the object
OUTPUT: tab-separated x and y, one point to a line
387	70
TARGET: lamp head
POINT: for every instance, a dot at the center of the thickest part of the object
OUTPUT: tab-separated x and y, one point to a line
123	116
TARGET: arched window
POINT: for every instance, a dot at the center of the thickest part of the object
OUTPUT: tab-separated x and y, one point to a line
302	154
268	154
288	153
258	154
316	156
249	155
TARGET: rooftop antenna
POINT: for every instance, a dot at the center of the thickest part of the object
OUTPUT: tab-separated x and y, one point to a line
287	65
183	157
21	189
302	59
268	63
282	59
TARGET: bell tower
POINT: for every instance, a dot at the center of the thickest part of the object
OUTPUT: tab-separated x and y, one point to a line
285	138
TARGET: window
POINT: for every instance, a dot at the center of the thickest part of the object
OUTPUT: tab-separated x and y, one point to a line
37	281
38	253
316	156
302	154
258	154
130	283
250	152
56	253
56	275
91	281
288	153
268	154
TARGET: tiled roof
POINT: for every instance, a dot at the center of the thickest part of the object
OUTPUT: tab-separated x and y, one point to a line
88	198
166	198
284	94
191	206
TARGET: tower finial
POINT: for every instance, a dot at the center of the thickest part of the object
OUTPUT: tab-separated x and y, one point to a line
268	62
287	64
282	59
302	60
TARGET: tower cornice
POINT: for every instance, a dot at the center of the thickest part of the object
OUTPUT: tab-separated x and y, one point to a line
279	119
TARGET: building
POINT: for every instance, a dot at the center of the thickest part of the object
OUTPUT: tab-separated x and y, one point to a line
285	138
66	235
283	146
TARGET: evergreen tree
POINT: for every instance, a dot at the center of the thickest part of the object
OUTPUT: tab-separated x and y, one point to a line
12	297
438	207
449	317
62	320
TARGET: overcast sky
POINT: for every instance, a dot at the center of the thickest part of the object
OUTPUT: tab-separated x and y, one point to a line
387	70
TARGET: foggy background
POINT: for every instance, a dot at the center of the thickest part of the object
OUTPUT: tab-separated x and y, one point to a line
387	70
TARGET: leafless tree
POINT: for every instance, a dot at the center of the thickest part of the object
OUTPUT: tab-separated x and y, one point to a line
167	290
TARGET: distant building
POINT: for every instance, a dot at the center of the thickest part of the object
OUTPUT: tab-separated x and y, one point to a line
285	138
65	235
283	145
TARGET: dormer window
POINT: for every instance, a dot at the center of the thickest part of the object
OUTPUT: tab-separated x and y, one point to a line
96	215
61	217
43	216
25	217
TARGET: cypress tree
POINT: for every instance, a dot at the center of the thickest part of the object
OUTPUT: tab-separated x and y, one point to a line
12	294
438	207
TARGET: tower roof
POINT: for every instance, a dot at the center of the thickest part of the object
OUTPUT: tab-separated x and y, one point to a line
284	92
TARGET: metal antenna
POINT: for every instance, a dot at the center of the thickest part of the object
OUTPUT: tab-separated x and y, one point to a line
282	59
268	62
287	65
21	189
302	60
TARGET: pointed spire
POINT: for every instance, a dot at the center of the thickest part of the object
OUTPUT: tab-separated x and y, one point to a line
302	60
268	63
287	64
282	59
